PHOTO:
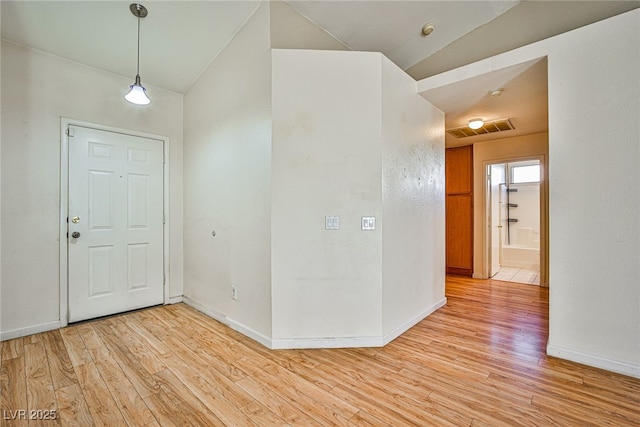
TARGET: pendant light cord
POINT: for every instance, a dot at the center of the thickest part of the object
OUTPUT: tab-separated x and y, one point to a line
138	66
136	94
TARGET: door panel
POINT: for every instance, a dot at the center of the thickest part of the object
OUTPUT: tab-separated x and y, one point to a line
459	234
116	204
137	207
100	263
137	265
459	210
101	215
459	170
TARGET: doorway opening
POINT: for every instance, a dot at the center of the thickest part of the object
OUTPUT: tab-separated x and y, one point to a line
514	194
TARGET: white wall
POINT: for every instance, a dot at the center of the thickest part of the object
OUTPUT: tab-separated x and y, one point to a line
227	189
412	225
37	90
275	144
327	156
594	159
350	139
265	192
594	188
228	171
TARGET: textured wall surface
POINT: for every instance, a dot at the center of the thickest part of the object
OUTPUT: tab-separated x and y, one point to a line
413	202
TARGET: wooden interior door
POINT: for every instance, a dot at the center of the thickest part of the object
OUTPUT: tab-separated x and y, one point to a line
459	210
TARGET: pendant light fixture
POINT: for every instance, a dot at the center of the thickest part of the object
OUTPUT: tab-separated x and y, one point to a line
137	94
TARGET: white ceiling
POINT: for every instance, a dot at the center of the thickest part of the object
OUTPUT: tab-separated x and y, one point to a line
394	27
523	100
179	39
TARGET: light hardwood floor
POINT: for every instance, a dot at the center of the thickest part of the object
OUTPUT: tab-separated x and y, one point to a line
478	361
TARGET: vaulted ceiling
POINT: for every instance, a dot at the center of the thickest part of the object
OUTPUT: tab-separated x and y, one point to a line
179	39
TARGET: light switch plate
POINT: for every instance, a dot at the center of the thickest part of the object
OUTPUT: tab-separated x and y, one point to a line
368	222
331	222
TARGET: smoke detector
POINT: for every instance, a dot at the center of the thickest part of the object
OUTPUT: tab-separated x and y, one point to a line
428	29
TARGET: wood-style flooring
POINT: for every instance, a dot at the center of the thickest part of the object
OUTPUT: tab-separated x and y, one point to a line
478	361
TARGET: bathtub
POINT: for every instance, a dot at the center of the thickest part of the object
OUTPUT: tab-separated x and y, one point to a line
521	256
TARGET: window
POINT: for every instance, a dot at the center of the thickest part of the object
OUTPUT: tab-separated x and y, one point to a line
522	174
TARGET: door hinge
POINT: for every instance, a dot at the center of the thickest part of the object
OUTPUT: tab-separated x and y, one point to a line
164	218
70	133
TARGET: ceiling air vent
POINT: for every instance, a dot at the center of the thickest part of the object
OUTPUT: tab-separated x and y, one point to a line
492	126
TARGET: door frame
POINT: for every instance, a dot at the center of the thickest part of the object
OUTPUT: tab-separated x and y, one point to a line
544	214
65	122
489	216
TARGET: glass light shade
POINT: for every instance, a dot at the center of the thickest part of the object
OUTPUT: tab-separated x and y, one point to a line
476	123
137	94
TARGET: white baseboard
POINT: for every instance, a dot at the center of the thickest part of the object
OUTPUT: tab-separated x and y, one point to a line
392	335
50	326
595	361
342	342
244	330
30	330
300	343
175	300
350	342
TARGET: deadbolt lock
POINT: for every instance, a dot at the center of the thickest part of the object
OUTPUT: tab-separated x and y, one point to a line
75	219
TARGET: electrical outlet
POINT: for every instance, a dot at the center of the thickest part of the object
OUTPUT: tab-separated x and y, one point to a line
234	293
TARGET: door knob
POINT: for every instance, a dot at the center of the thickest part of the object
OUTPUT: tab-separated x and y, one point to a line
75	234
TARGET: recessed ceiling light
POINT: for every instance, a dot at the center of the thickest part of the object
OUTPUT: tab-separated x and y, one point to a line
428	29
475	123
496	92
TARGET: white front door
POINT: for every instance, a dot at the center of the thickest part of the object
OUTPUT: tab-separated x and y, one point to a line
115	223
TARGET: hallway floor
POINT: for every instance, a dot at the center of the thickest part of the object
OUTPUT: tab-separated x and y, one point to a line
518	275
478	361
